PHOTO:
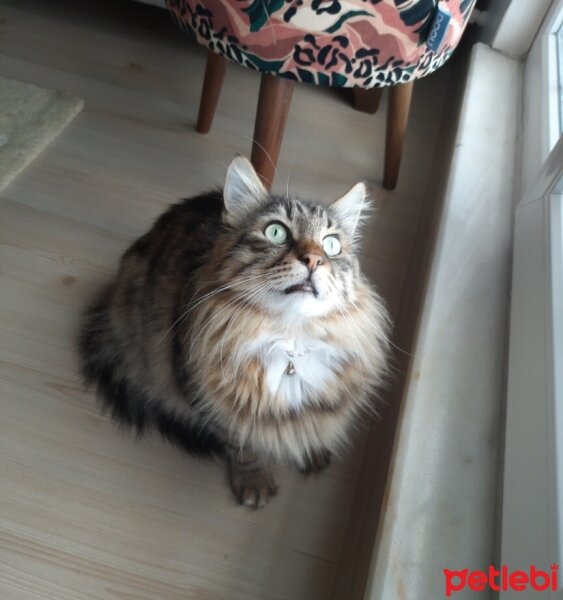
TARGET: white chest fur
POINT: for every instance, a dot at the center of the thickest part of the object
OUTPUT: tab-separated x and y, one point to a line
296	368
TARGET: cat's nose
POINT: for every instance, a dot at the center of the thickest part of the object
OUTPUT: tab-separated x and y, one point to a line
312	260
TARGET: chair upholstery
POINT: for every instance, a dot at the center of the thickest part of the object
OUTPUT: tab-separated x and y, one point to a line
341	43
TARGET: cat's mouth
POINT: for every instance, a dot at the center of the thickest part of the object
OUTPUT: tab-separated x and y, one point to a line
306	287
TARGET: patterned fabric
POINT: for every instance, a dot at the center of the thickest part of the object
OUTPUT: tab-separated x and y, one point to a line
344	43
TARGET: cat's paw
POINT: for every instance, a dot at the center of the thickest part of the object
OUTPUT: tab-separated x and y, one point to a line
253	488
316	463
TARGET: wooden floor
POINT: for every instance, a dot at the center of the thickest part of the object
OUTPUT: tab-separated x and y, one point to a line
87	511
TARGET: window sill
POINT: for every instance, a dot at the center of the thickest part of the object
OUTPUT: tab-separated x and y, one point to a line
442	488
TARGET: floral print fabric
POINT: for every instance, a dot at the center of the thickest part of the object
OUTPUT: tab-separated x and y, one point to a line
343	43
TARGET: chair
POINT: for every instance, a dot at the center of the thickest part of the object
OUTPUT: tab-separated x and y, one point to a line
363	44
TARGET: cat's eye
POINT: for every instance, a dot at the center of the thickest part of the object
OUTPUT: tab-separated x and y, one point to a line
331	245
276	233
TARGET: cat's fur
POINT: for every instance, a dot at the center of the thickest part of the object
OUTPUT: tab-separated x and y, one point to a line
196	333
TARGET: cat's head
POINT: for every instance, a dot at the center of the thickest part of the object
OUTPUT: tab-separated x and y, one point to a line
289	256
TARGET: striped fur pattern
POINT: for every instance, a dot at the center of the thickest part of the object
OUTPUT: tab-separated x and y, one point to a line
228	339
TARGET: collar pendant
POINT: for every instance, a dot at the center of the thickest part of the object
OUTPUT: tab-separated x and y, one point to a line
290	369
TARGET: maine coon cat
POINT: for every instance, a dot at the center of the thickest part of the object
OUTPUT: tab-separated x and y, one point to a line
241	325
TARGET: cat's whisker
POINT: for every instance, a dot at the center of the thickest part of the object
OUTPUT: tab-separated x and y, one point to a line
207	283
197	301
354	338
235	299
255	295
368	323
255	141
212	316
201	299
383	336
289	177
381	332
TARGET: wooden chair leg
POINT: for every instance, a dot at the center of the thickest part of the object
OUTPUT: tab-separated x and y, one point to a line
214	75
397	118
367	100
273	107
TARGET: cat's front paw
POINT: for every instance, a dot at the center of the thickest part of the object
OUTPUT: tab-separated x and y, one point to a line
253	488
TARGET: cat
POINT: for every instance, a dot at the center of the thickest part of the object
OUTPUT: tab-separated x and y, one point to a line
241	325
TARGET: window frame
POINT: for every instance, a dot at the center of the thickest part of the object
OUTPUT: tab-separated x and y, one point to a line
540	99
532	509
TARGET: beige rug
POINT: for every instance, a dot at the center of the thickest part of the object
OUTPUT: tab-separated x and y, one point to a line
30	119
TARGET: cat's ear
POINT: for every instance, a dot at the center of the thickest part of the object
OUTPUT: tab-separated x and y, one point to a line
351	209
243	192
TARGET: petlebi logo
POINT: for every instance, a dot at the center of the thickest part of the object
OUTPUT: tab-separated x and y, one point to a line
501	580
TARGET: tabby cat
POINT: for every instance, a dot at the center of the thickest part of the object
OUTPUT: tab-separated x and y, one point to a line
241	325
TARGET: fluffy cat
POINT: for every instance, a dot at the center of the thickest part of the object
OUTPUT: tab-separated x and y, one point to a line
241	325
